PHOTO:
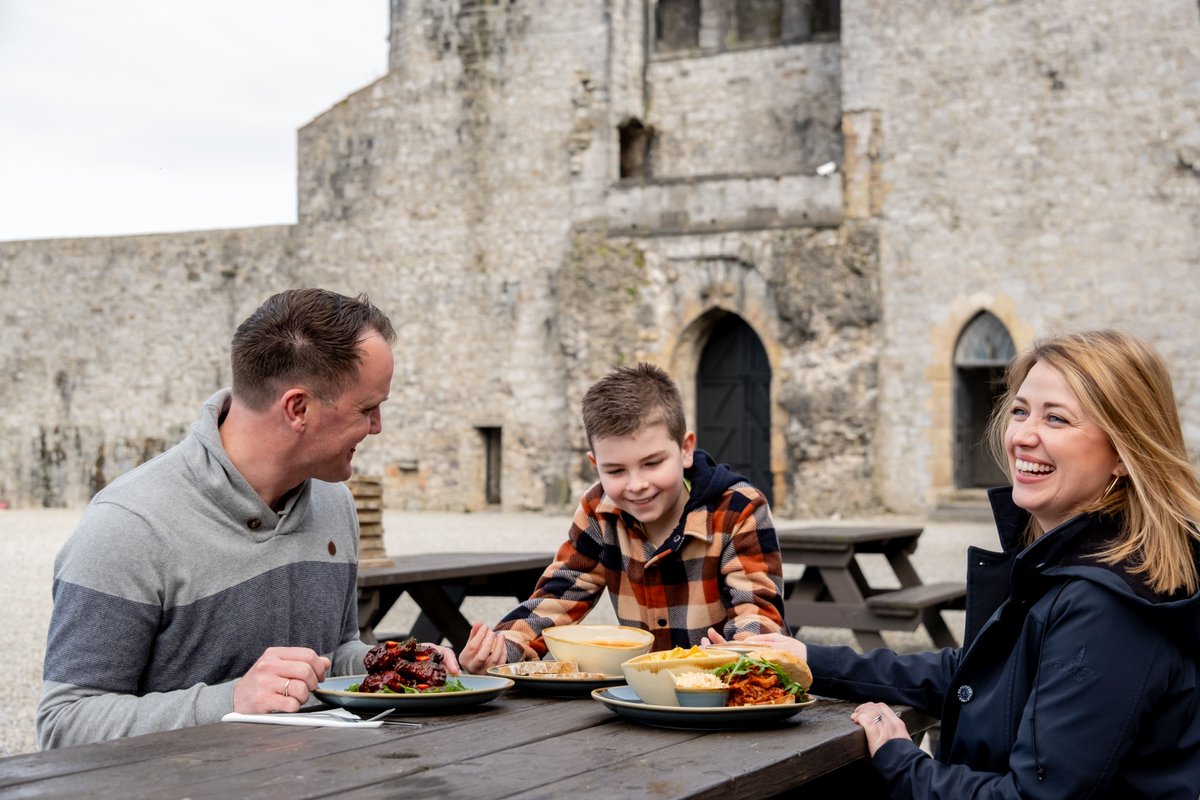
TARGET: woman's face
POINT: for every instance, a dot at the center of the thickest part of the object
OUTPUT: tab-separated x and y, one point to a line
1059	459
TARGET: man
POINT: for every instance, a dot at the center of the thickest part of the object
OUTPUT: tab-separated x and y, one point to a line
220	576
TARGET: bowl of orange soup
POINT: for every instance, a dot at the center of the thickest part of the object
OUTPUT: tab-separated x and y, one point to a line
597	648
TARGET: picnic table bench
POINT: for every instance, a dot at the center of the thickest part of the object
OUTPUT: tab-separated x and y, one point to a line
832	591
438	583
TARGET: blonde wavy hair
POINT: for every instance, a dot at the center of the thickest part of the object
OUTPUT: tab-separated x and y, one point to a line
1124	387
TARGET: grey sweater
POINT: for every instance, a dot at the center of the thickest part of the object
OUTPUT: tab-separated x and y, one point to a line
177	579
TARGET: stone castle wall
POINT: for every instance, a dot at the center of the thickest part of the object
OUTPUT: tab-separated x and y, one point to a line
1040	164
1037	162
109	346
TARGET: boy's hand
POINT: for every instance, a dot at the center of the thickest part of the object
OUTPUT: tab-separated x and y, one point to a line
448	658
484	648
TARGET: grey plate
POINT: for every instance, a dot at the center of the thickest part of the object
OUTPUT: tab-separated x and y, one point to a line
480	689
624	701
554	686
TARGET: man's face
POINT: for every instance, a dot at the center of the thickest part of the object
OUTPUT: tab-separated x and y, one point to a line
336	429
643	474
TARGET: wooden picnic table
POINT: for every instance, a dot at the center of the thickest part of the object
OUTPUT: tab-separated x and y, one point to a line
438	583
519	745
833	592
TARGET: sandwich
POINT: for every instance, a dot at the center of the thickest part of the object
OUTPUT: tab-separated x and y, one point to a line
765	677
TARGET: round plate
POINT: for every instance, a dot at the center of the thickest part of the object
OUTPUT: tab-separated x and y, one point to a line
480	689
623	700
556	686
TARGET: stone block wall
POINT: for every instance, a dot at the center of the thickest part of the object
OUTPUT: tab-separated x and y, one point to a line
1039	163
1034	163
108	347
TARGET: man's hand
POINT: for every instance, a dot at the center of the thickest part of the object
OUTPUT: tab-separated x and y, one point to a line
280	680
484	648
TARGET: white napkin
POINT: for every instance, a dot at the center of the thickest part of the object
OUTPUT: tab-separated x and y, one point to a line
335	718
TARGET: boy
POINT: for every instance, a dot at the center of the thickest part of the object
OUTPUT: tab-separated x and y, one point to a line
680	542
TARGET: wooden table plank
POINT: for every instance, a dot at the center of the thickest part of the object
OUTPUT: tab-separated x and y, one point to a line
418	567
438	582
516	746
387	753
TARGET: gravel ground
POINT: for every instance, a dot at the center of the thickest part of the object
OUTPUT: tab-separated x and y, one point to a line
29	540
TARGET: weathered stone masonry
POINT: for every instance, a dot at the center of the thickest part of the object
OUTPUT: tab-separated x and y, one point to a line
540	189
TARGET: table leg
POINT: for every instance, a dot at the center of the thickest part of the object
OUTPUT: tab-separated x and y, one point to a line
425	629
846	586
903	568
442	611
937	629
373	605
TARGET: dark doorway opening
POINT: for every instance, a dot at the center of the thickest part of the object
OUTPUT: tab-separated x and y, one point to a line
491	479
733	401
984	349
635	142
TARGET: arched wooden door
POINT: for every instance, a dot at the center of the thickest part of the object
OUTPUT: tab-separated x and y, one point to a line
984	348
733	401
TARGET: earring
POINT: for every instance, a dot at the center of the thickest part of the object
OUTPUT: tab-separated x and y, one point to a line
1110	486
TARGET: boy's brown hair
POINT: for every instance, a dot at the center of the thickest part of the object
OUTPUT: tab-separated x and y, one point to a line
629	399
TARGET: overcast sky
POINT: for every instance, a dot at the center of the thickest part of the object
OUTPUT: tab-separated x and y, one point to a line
142	116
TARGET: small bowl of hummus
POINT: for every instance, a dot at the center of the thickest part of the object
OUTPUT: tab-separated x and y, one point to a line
699	690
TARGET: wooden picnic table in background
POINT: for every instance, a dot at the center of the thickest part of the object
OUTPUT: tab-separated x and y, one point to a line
833	592
438	583
519	745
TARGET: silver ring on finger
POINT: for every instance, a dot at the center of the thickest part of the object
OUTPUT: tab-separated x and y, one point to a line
286	684
878	719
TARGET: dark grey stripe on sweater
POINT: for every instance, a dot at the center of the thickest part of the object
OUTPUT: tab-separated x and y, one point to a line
214	639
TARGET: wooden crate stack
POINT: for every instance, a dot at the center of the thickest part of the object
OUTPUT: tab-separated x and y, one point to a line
368	502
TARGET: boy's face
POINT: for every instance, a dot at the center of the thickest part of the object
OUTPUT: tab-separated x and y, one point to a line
643	474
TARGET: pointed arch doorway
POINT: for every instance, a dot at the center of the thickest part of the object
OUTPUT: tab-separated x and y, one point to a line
983	350
733	401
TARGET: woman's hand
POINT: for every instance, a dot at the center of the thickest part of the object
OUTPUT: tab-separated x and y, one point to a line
484	648
880	723
777	640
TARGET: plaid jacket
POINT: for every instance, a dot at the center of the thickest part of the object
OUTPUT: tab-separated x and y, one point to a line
720	568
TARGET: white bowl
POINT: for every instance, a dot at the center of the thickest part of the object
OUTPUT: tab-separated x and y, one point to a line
597	648
652	679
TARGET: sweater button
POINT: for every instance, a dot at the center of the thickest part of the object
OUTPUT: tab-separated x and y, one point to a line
662	623
965	693
254	523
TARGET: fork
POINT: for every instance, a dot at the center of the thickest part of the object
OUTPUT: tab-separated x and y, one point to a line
350	718
378	716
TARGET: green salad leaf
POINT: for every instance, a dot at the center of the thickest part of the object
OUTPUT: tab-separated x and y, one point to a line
747	663
452	685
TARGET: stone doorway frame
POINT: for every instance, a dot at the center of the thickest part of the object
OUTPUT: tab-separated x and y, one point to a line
684	362
940	374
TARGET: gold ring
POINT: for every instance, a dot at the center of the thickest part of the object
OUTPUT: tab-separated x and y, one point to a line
285	687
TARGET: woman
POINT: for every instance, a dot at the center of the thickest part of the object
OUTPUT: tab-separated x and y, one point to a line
1078	676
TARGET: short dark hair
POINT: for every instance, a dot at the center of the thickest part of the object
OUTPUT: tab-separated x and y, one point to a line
629	399
307	337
